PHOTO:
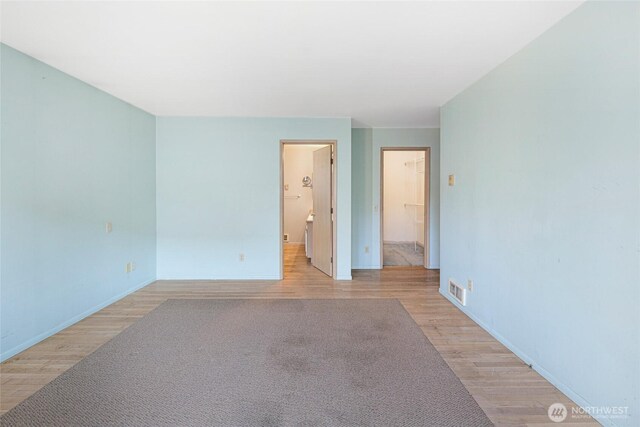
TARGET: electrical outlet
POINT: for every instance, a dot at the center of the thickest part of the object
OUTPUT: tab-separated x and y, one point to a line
452	180
108	227
241	257
366	249
470	285
129	267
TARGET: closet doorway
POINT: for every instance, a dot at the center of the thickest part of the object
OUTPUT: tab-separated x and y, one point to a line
307	213
404	206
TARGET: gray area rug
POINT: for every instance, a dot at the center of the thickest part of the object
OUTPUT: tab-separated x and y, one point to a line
259	363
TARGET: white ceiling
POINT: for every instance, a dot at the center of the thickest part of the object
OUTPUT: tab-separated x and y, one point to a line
385	64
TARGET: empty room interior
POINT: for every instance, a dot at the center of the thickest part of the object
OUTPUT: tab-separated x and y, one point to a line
335	213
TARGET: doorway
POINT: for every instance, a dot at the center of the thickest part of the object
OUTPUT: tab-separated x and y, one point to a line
307	213
404	206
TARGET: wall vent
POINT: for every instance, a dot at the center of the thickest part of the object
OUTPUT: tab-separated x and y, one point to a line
458	292
286	237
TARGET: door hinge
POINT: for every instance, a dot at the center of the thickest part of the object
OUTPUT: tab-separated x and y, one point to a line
331	210
331	260
331	160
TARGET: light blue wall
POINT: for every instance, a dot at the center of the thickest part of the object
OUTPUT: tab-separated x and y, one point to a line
219	194
72	158
366	147
545	213
361	197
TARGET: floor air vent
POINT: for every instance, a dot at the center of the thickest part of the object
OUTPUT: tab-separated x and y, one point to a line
458	292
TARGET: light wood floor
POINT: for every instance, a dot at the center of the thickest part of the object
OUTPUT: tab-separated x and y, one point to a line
509	391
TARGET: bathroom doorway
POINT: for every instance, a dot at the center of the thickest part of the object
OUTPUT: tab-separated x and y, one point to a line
308	211
404	201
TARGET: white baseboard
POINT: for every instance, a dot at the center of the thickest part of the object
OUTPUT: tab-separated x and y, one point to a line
564	388
224	278
25	345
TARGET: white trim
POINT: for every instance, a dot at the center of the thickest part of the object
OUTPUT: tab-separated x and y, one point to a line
25	345
224	278
345	277
564	388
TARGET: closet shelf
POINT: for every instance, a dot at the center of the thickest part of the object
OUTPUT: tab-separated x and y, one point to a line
421	159
417	168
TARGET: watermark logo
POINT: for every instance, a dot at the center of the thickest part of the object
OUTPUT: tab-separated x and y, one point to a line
601	412
557	412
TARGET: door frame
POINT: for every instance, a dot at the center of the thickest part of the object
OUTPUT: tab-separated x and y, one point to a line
334	187
427	203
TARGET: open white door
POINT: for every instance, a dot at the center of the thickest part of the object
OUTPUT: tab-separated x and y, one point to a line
322	254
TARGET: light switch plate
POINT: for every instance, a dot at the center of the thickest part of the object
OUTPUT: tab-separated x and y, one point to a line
452	180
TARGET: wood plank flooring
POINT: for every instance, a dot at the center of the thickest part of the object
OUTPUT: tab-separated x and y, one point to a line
509	391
